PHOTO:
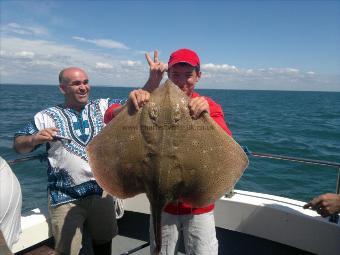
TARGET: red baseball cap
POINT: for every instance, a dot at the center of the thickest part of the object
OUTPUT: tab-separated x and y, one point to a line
184	56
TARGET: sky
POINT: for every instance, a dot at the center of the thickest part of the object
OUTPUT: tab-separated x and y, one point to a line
265	45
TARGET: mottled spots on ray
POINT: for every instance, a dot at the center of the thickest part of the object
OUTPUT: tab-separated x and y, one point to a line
162	151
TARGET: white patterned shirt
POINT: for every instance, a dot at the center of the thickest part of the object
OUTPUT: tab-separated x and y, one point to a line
69	174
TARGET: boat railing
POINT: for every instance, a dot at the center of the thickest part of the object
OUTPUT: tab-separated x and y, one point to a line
41	157
333	218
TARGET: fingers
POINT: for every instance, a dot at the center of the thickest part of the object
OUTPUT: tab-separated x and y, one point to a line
148	58
157	70
43	136
323	211
155	64
53	130
48	133
142	97
133	100
306	206
197	106
138	98
155	56
321	205
314	204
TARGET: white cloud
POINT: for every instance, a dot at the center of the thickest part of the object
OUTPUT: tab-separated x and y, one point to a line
79	38
104	43
100	65
130	63
24	54
39	62
233	71
271	78
28	59
287	71
223	67
14	28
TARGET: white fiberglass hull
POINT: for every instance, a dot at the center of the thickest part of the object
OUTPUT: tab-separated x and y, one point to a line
270	217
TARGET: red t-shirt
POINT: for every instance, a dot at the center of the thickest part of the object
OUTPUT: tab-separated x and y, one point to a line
109	113
180	208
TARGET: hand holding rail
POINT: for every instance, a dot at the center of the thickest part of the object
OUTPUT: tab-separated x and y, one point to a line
333	218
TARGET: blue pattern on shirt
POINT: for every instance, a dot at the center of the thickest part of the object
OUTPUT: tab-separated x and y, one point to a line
28	129
81	127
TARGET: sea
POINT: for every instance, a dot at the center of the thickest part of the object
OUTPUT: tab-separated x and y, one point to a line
288	123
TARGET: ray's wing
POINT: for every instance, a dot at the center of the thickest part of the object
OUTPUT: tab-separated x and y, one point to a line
116	156
212	162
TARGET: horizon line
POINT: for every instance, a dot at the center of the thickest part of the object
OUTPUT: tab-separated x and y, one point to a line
240	89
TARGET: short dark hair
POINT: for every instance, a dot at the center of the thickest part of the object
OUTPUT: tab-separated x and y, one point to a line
61	76
197	68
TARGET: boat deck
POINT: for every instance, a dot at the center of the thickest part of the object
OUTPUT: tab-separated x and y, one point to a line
133	233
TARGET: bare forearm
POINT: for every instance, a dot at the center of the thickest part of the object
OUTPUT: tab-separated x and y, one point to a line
27	143
157	70
152	84
24	144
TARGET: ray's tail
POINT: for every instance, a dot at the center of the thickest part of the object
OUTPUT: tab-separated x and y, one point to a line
157	227
156	212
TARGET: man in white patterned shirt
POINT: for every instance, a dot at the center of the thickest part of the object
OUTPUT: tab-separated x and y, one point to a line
75	199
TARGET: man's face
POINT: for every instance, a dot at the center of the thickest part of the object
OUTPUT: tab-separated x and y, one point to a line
184	76
76	88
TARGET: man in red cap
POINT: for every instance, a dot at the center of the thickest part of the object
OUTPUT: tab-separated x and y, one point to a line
197	224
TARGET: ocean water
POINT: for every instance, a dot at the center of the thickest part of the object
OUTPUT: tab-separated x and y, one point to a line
300	124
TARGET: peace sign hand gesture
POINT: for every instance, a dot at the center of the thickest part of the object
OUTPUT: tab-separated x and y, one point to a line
157	70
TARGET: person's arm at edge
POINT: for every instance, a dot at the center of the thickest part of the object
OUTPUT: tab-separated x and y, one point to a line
325	204
27	143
